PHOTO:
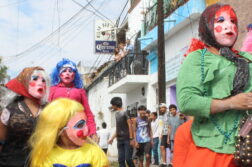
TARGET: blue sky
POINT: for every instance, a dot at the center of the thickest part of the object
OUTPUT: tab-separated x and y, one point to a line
26	22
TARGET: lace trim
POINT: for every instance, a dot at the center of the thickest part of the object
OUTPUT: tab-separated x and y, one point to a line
5	116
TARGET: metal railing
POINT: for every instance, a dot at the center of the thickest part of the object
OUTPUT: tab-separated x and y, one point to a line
170	6
131	64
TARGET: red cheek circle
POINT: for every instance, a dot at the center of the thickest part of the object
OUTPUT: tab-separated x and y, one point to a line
61	75
32	84
235	29
218	29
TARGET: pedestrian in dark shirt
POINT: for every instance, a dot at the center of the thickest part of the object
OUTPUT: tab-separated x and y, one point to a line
123	133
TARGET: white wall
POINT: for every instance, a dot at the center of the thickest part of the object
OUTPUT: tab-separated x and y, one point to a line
180	39
135	19
136	96
168	96
99	100
173	45
151	94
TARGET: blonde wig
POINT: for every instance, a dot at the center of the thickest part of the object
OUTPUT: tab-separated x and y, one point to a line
52	119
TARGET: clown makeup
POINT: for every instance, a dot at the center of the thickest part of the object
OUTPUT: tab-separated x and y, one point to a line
67	75
77	129
37	85
225	26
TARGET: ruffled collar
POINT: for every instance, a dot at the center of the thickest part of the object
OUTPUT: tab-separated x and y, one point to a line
62	85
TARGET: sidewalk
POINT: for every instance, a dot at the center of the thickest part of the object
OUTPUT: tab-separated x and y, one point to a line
114	162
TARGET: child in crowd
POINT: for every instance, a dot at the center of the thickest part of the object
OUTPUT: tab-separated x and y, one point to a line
143	137
103	137
156	130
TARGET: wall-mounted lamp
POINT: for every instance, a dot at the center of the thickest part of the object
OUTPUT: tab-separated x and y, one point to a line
143	91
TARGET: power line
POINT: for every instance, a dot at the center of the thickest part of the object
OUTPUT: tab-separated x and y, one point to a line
65	30
12	4
58	11
94	12
101	14
39	44
118	19
54	7
77	29
65	42
189	18
18	17
88	19
54	32
117	23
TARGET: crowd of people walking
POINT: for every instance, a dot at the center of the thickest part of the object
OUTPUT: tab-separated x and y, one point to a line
147	137
45	126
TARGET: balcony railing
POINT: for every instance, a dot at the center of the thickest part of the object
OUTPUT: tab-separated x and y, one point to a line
151	15
119	70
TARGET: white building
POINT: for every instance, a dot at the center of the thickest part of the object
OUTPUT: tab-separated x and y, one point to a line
140	86
131	88
180	27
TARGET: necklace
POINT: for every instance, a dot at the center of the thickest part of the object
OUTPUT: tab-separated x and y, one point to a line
227	133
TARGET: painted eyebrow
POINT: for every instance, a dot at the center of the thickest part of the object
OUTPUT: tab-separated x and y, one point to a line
220	18
79	123
35	77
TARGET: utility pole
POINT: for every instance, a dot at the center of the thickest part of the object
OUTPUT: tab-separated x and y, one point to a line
161	53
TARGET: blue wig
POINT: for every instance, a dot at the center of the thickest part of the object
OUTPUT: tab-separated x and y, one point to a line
249	27
55	75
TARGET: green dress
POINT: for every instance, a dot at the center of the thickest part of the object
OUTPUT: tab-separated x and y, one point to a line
216	132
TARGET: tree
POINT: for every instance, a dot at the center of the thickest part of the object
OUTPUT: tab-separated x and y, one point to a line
3	72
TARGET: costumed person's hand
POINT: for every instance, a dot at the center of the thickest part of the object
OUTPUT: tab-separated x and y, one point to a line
241	101
94	137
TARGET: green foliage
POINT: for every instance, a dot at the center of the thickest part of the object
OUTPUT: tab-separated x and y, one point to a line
3	72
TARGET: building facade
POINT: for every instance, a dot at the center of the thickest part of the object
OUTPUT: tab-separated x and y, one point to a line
141	86
180	26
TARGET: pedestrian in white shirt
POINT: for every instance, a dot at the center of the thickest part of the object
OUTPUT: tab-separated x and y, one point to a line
155	128
103	136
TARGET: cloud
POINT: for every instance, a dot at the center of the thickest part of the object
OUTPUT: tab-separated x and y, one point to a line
30	21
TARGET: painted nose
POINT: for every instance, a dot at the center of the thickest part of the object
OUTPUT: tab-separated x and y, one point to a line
41	82
228	26
80	133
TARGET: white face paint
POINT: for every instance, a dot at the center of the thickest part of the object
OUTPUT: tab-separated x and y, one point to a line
67	75
37	85
225	29
77	129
